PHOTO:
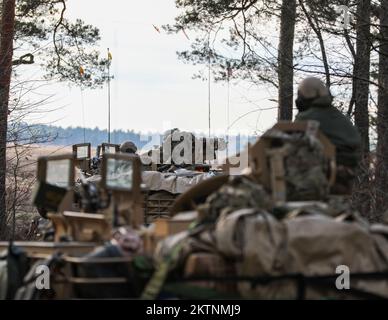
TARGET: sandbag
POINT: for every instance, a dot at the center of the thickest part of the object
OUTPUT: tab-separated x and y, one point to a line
171	182
310	245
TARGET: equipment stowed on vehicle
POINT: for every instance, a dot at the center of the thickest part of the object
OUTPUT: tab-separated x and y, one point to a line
102	149
274	233
116	200
82	153
107	148
165	179
294	161
79	233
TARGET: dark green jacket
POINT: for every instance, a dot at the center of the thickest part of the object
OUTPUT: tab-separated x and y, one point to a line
337	127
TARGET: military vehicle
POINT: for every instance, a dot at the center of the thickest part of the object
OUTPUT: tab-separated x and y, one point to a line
83	158
165	179
275	232
117	202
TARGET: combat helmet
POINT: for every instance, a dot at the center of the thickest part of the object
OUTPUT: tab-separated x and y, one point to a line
128	147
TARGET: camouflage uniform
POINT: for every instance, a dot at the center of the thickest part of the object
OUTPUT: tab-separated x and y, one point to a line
315	103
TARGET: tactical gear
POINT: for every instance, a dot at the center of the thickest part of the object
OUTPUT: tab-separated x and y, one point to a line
306	171
315	103
238	193
312	88
286	248
294	161
168	253
341	132
312	92
128	147
310	244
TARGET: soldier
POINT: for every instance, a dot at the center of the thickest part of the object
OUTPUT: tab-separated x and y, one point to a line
128	147
314	102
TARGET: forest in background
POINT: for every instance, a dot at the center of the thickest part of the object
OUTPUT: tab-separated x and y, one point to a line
59	136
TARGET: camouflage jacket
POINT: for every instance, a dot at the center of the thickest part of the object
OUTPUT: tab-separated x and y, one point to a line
338	128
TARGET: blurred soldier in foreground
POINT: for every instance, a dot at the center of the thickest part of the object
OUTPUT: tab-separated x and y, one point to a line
314	102
128	147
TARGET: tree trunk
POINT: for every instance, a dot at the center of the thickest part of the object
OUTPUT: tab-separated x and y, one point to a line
362	194
382	115
6	52
286	59
361	73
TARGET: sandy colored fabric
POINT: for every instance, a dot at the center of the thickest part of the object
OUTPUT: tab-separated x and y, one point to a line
313	88
170	182
311	245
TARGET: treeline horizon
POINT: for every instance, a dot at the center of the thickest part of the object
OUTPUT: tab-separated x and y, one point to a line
66	136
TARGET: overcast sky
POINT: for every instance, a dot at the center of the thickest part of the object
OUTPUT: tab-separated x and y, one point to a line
152	89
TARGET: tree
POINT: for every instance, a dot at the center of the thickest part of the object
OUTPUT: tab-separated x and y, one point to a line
40	28
362	193
69	44
308	43
382	114
6	54
362	72
229	32
286	59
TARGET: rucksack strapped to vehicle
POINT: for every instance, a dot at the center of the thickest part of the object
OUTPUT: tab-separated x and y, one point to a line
294	160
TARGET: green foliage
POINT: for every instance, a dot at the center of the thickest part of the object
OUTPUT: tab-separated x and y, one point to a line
62	45
229	37
244	35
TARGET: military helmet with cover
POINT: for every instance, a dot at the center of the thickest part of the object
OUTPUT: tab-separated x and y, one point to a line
312	91
128	147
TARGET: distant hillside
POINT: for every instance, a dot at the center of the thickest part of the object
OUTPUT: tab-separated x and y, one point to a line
96	136
53	135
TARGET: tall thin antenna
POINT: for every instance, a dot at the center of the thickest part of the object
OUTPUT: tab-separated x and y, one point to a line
228	104
109	78
209	86
229	72
83	112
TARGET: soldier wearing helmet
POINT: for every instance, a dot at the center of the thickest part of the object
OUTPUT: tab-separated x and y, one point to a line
128	147
314	102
